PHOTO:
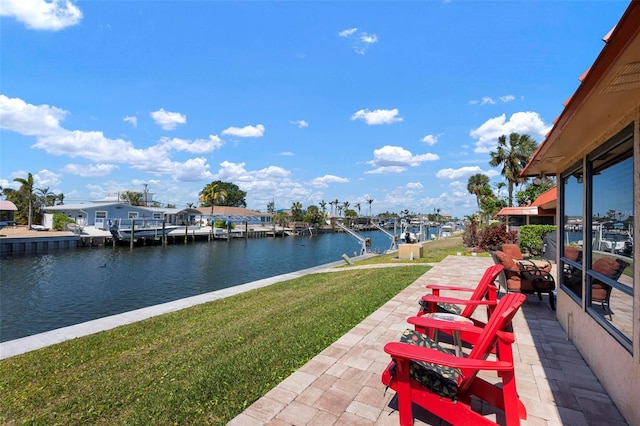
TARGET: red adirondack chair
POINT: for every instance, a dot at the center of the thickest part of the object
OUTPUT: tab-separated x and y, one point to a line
485	293
429	375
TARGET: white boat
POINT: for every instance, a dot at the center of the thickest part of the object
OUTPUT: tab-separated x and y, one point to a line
146	231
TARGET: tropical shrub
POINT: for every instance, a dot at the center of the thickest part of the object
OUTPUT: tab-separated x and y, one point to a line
222	224
495	235
531	237
60	221
470	235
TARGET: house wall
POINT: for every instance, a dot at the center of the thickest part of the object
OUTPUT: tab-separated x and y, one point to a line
114	211
617	369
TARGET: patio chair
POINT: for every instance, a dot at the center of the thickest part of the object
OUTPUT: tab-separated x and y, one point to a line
425	373
485	293
600	291
525	276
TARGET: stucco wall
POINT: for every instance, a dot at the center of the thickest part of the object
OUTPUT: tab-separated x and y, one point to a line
616	368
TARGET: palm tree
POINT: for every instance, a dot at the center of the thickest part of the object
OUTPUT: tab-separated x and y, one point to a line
47	196
27	187
370	201
345	206
477	185
357	206
211	194
132	197
323	206
296	211
513	155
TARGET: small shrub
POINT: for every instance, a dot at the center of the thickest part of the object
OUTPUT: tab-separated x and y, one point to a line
222	224
470	235
496	235
531	237
60	221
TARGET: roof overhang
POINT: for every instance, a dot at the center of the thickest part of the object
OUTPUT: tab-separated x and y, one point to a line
601	105
6	205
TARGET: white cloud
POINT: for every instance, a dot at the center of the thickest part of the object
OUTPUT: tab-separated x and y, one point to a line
132	120
300	123
198	146
18	116
267	184
395	159
246	131
378	116
488	100
42	179
287	154
488	133
464	172
87	170
430	139
347	33
49	15
368	38
414	185
324	181
43	122
361	40
192	170
168	120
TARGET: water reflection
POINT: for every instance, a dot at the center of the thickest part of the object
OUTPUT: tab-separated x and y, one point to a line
47	291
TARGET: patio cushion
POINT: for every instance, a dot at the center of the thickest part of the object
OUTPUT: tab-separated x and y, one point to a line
446	308
437	378
598	292
606	266
512	250
506	260
571	253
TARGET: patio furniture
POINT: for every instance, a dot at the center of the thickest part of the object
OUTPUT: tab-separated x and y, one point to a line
601	291
525	276
485	293
425	373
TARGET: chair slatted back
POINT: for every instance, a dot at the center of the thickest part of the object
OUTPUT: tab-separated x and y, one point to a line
500	320
485	288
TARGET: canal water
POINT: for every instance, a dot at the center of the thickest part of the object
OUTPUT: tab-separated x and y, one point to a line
45	291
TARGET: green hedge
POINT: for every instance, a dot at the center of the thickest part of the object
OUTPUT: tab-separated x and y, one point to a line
60	221
531	237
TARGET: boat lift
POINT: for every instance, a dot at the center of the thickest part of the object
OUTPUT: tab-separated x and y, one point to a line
392	237
364	241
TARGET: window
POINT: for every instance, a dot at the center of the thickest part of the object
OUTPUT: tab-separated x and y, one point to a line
133	215
157	216
572	242
596	248
610	272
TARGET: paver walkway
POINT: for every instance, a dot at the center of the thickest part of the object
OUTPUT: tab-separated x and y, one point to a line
341	385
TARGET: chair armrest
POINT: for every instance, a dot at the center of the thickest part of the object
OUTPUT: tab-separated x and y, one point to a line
441	324
430	298
418	353
449	287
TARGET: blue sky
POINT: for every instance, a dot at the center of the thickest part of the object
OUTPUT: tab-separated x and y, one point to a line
293	101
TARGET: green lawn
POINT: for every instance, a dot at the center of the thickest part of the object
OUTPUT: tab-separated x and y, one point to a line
201	365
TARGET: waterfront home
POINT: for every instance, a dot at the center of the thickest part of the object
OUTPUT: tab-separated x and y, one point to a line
541	212
7	213
593	150
98	215
237	215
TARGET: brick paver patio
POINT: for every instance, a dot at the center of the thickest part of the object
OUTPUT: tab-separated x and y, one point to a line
341	385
